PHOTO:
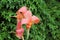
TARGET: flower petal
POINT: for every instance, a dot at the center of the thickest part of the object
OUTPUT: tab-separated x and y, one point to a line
35	19
24	21
23	9
28	14
19	32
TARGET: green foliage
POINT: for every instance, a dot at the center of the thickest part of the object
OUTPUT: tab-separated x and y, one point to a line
47	10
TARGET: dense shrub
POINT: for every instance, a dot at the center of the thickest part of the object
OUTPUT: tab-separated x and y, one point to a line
47	10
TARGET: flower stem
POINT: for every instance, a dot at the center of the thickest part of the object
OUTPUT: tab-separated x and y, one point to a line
12	32
28	33
22	37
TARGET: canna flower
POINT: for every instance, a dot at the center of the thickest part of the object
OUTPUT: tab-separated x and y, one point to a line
24	16
28	18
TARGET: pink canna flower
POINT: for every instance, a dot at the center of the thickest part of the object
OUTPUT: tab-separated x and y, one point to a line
24	16
28	20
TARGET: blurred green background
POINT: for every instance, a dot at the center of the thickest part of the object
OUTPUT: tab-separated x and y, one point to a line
47	10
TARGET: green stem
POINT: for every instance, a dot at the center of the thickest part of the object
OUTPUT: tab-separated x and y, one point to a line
28	33
12	32
22	37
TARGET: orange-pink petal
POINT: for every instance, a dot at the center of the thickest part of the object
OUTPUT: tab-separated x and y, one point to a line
35	19
28	14
19	32
23	9
24	21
